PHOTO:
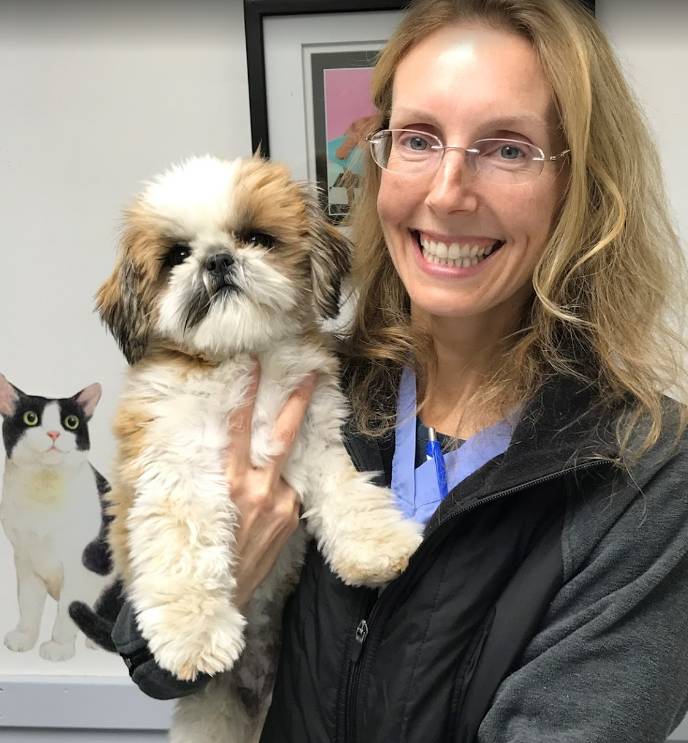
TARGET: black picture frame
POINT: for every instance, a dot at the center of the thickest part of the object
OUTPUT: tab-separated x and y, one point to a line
255	11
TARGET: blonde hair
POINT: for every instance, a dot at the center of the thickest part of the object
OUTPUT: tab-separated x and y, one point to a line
605	307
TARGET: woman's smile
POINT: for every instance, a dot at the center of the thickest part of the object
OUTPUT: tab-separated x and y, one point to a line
452	256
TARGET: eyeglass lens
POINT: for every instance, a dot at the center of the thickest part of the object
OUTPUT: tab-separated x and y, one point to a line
409	152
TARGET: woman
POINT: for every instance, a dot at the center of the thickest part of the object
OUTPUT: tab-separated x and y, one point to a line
546	602
515	268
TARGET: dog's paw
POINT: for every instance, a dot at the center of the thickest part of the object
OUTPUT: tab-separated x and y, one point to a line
372	555
195	644
56	651
19	641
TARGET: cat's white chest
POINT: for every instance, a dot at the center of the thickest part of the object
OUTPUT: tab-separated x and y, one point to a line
44	500
38	489
46	488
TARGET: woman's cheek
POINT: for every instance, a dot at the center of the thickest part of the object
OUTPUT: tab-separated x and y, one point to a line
383	203
395	201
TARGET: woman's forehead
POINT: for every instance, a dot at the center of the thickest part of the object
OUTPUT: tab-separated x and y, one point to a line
477	71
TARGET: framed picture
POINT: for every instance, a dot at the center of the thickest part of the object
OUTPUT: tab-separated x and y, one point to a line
309	69
340	110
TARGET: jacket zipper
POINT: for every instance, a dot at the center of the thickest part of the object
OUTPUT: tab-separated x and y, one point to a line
355	672
368	633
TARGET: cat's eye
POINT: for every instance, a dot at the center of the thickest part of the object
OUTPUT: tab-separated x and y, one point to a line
256	237
71	422
177	253
30	418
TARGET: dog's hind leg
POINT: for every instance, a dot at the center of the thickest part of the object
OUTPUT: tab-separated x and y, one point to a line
217	714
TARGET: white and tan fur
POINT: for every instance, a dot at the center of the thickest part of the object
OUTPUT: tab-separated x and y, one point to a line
173	533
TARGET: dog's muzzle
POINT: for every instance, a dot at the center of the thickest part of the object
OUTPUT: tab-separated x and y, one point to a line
219	272
217	283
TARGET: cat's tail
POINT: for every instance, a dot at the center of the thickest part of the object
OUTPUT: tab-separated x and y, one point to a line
97	623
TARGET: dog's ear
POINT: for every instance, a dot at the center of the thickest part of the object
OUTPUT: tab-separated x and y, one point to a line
122	304
330	260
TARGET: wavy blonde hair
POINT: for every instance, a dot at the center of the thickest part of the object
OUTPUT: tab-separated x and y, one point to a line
606	303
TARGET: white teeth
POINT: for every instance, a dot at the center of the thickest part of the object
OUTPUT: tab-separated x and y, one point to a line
455	254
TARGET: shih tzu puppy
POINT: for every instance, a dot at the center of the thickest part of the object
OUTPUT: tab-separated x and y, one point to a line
221	261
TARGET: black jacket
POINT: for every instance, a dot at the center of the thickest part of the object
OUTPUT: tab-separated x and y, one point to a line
422	661
547	604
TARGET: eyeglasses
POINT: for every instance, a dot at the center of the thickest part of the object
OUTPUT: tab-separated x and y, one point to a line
410	152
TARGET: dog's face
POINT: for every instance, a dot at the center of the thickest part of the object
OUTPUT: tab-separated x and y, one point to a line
219	257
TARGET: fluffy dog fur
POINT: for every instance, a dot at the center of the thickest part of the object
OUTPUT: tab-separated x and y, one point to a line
220	260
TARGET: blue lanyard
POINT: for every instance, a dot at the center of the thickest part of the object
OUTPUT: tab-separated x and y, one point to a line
416	489
433	451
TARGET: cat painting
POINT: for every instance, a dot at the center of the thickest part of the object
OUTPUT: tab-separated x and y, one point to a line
52	512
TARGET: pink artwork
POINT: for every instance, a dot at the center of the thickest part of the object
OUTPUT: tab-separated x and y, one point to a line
343	114
347	98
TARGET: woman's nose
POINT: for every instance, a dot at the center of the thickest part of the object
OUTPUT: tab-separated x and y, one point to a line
451	188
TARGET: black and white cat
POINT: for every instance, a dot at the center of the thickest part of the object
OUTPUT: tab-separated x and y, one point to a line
51	509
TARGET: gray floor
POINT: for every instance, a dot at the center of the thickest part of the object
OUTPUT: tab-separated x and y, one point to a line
36	735
44	735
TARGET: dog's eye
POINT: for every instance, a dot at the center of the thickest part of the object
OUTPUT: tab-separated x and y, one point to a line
176	254
262	239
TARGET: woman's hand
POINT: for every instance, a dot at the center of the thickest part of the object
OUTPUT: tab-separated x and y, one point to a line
268	506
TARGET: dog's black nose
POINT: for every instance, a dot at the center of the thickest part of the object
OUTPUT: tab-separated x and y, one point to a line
218	264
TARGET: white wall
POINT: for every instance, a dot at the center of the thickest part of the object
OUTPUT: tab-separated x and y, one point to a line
97	96
651	38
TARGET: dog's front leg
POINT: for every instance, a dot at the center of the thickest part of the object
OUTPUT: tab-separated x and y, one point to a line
360	531
180	538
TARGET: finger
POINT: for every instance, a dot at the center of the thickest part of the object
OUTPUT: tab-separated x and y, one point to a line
289	421
239	454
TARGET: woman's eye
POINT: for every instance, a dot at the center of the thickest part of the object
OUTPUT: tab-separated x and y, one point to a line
176	254
30	418
506	154
511	152
71	422
415	143
261	239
